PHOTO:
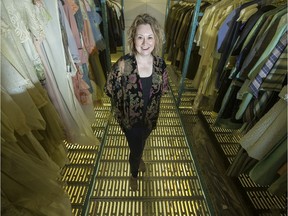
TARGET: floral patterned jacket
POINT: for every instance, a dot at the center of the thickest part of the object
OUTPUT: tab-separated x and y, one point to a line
125	89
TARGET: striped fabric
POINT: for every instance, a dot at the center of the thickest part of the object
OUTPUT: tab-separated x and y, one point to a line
271	62
255	110
274	80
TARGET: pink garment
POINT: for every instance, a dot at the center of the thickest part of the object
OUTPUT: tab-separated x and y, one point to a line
88	37
81	89
87	34
70	9
51	50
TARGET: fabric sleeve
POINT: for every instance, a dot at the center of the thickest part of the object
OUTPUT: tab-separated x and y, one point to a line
112	85
165	78
108	89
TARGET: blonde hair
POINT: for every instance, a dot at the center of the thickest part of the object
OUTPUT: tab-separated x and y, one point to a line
155	26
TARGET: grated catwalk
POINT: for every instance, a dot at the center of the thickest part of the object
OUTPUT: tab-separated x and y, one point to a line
170	185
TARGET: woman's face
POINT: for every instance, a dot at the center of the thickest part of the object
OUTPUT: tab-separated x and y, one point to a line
144	39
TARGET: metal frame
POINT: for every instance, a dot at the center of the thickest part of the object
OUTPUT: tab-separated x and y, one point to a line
192	32
166	15
86	205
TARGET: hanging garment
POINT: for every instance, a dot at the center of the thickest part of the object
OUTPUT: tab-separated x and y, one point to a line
95	21
228	35
21	130
276	77
241	49
238	94
263	147
77	126
273	61
265	172
268	131
30	185
21	82
115	25
264	44
98	75
257	108
177	35
250	88
206	37
279	187
251	22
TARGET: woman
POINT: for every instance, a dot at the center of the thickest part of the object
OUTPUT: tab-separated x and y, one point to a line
135	84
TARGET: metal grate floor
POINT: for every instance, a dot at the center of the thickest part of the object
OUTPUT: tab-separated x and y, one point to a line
170	185
98	176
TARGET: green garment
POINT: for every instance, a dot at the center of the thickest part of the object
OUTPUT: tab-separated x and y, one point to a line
265	171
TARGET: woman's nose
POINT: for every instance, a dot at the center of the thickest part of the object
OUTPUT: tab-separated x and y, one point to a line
144	41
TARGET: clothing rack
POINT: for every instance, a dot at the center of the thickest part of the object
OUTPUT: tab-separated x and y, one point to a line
106	33
192	31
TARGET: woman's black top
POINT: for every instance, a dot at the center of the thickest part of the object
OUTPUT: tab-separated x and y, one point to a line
146	86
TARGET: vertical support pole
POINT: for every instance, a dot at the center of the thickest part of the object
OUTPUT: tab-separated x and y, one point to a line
123	31
166	15
193	26
106	34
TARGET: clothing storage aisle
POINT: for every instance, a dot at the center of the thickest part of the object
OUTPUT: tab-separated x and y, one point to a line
223	151
171	184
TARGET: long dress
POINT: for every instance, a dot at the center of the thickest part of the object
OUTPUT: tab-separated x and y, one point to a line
43	23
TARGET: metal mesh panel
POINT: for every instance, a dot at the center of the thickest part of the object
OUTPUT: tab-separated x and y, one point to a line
151	208
77	174
153	169
157	154
77	193
149	187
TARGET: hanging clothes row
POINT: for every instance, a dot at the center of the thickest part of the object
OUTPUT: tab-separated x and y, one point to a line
115	22
263	151
240	76
216	36
176	30
81	24
244	61
49	64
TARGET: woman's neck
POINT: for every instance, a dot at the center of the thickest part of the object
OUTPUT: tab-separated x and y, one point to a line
144	65
143	58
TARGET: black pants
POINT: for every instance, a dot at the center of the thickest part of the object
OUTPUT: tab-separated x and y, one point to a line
136	137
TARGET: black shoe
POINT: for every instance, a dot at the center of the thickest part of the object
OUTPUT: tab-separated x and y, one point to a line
142	166
133	183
